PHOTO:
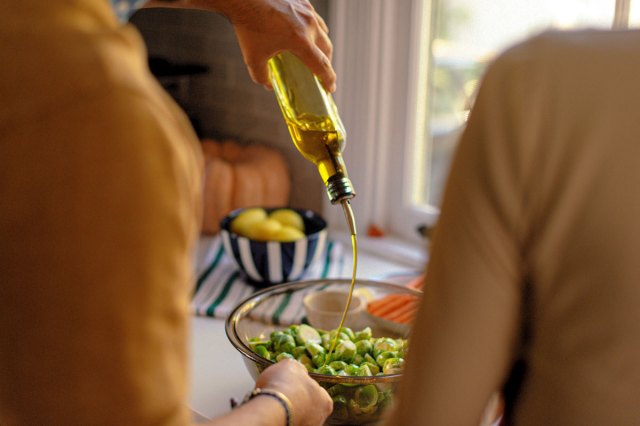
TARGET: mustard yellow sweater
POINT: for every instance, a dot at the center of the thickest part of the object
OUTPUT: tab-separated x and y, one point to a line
99	195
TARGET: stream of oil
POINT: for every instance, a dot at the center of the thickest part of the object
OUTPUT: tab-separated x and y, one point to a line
354	248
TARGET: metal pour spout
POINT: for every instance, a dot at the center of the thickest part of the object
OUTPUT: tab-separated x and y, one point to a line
348	213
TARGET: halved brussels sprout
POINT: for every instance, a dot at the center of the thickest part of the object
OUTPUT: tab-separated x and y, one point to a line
364	334
384	344
326	369
307	334
283	342
340	407
338	365
393	366
284	355
345	350
380	359
364	347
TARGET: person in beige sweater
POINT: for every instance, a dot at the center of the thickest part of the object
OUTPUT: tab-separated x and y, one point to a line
533	283
100	185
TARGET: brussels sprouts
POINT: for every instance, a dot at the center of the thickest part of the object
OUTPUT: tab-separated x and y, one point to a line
340	407
380	359
259	341
364	401
284	355
314	349
306	361
366	397
385	398
326	369
319	359
298	351
336	390
358	359
328	338
355	354
364	334
345	350
364	347
326	341
402	347
349	333
352	369
384	344
263	352
374	368
370	359
283	342
393	366
364	370
338	365
307	334
331	358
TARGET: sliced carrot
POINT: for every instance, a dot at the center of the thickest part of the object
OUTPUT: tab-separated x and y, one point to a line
379	304
409	307
393	302
407	317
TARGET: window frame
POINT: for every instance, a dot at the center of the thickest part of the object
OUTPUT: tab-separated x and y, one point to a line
378	61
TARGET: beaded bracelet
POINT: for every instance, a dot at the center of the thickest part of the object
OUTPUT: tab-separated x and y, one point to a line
279	396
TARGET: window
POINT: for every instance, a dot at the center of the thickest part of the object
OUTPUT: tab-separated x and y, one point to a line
408	71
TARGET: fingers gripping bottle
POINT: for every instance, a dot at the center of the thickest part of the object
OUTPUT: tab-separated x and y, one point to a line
314	124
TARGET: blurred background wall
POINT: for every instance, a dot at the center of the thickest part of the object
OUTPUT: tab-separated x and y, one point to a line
197	59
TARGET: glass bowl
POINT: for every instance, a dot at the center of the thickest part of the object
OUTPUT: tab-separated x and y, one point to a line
277	307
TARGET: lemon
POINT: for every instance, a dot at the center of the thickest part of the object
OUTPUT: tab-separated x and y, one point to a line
243	223
264	230
288	217
288	233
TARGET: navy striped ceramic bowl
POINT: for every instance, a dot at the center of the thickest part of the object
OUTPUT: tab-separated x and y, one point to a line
271	262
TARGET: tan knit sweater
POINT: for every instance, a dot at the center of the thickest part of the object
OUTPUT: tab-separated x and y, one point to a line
544	195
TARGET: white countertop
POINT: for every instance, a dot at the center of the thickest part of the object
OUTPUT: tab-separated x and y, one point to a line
218	372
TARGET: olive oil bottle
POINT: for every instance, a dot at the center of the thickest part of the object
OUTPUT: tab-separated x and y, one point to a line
318	133
313	122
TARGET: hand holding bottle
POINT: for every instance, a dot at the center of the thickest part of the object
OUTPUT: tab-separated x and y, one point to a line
267	27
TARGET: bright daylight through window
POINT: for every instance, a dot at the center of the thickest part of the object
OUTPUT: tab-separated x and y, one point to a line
466	35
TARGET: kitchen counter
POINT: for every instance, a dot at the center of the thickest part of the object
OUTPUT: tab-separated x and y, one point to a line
218	372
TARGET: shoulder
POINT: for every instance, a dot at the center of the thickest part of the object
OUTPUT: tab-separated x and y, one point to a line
577	51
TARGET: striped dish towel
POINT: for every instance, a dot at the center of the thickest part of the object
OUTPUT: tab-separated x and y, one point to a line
220	286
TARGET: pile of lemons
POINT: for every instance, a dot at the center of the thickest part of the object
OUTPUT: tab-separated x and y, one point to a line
282	225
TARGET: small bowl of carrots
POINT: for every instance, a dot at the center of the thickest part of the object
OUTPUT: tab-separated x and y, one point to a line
396	311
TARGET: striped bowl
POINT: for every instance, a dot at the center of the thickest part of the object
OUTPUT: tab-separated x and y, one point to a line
271	262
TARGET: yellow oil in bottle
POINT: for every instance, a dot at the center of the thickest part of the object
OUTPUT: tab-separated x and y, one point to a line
318	133
321	147
313	122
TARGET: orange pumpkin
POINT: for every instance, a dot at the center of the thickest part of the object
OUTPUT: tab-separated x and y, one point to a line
238	176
